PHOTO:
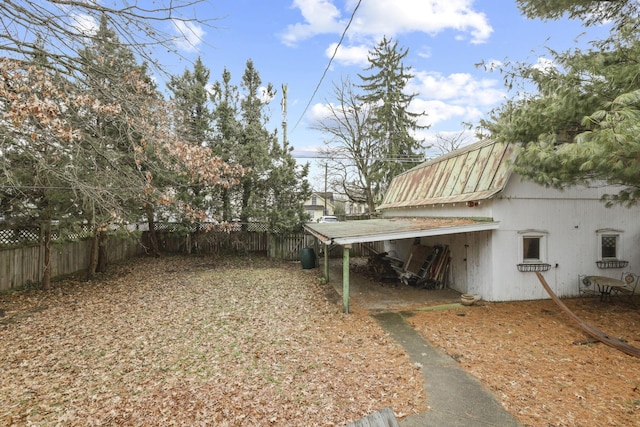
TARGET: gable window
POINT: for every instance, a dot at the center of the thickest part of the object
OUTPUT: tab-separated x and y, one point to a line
609	245
533	250
314	200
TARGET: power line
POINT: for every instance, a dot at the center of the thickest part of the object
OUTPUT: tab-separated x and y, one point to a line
344	157
324	73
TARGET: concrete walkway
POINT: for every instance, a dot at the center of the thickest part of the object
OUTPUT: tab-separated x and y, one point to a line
454	398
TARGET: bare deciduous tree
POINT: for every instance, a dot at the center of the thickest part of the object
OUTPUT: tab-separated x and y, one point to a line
350	148
59	28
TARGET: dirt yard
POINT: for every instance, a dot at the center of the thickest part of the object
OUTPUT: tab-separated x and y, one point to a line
230	342
197	341
531	356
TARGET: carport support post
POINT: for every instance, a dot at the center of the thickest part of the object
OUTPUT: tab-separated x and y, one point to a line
345	279
326	263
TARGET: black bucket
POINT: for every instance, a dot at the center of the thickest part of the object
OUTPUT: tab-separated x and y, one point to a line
308	258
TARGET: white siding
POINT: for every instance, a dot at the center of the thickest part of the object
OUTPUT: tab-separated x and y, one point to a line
486	262
570	219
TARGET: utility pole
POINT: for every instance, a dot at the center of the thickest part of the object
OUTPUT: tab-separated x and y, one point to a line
325	188
285	143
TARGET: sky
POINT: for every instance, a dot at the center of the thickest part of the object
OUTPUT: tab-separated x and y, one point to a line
291	43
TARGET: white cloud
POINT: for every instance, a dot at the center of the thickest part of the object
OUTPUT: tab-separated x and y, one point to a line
318	112
458	95
349	55
320	16
437	111
190	35
84	24
375	18
265	96
425	52
459	87
544	65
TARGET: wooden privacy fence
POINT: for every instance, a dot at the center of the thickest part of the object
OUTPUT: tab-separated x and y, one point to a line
23	265
278	246
20	266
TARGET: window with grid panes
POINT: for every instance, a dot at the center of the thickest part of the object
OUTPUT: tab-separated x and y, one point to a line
609	246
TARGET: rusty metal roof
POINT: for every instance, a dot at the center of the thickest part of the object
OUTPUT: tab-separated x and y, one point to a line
374	230
472	173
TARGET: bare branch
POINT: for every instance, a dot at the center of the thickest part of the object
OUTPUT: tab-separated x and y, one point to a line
58	28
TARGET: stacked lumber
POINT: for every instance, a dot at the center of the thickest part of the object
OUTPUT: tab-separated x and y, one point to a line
426	266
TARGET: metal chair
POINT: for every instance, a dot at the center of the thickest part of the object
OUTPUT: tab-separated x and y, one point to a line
629	289
586	288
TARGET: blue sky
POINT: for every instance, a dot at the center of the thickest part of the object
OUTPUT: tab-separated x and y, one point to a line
291	42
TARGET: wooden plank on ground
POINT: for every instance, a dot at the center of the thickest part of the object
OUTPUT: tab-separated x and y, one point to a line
590	330
382	418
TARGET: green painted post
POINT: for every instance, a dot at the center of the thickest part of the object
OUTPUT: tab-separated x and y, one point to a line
345	279
326	263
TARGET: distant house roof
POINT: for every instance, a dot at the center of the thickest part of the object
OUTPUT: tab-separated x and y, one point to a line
475	172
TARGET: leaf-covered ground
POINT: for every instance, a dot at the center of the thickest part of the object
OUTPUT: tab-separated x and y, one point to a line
533	357
196	341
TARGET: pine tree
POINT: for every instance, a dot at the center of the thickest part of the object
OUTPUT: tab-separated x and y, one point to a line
254	144
582	124
113	77
287	182
394	125
227	134
191	98
193	121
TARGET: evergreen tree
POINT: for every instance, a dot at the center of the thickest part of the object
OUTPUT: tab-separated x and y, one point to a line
393	124
227	134
193	121
113	77
254	144
591	12
191	98
273	187
582	124
37	147
288	183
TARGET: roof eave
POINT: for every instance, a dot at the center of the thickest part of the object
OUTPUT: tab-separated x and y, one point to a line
439	231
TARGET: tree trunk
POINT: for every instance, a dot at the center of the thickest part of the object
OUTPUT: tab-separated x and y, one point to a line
93	255
46	268
102	251
153	238
226	205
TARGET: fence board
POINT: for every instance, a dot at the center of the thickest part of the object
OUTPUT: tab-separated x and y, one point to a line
20	266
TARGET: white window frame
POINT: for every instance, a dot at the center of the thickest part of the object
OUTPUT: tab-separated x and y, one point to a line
610	232
528	234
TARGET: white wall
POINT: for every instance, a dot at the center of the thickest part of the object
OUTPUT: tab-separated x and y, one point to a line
570	218
470	270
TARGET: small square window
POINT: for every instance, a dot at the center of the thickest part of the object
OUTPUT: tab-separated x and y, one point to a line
609	246
531	248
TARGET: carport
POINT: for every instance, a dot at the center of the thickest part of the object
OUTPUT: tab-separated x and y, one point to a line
346	233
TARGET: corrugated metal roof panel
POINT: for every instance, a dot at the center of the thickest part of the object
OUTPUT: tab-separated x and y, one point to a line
476	172
465	172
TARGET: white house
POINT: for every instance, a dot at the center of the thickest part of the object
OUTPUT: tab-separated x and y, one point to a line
499	228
